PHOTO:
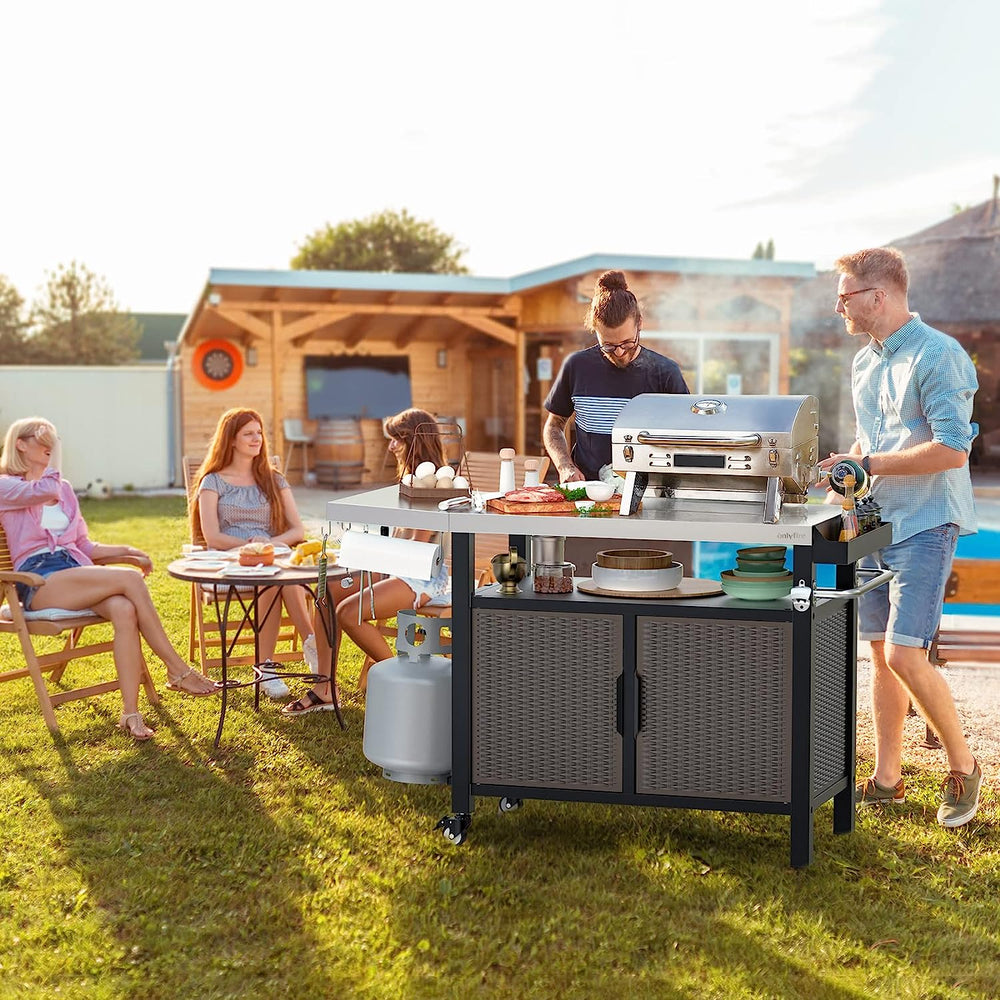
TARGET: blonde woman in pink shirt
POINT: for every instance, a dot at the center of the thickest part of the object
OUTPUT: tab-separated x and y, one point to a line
47	535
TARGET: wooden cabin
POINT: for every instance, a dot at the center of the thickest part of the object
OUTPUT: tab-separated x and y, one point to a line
483	351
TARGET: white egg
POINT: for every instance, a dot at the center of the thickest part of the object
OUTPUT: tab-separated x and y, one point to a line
460	483
424	469
444	483
445	472
426	482
407	479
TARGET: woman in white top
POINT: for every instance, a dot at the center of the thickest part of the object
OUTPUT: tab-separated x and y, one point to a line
240	497
386	596
47	535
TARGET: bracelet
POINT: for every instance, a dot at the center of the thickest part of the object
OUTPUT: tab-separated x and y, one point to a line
865	464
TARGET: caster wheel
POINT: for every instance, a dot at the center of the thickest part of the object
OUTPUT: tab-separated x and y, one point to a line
455	827
506	805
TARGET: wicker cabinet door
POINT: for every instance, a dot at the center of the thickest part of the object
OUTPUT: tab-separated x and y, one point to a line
544	701
715	708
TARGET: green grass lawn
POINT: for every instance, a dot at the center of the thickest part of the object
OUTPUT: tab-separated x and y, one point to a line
284	865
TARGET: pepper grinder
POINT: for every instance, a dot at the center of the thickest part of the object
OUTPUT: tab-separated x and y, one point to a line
531	472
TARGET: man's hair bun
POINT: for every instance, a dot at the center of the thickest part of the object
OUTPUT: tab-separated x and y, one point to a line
612	280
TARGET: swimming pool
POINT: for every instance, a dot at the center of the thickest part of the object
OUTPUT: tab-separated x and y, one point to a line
711	558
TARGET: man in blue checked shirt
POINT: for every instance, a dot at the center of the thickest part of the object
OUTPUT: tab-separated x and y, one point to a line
912	387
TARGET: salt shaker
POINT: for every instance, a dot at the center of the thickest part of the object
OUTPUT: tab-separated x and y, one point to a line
531	472
507	470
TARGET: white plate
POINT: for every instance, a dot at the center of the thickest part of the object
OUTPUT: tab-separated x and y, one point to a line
206	565
637	579
238	570
212	555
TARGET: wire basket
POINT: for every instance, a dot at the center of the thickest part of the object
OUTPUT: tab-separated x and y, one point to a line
452	442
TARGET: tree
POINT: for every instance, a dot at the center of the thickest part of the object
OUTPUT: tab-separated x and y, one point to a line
78	322
761	252
13	326
387	241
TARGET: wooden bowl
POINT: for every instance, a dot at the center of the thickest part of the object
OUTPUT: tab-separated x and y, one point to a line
635	559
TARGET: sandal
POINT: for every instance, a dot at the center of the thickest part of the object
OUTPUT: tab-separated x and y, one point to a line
177	684
134	724
309	702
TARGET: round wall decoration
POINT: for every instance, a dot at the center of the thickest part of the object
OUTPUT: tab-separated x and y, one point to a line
218	364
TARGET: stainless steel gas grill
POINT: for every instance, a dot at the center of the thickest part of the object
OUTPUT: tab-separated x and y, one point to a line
744	448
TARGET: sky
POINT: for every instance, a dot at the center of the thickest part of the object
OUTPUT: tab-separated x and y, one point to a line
152	142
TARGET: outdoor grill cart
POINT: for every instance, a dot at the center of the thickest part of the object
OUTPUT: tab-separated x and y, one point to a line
702	703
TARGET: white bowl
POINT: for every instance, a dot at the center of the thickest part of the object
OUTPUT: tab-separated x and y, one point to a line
600	491
635	580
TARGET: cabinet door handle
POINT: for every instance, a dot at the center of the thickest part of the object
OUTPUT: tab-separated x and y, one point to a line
640	694
620	704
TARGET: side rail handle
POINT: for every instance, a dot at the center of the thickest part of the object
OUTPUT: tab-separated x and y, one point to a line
881	577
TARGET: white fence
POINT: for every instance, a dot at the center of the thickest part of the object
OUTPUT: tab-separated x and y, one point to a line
116	422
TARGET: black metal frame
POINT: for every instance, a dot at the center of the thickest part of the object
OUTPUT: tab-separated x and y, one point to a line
251	617
803	799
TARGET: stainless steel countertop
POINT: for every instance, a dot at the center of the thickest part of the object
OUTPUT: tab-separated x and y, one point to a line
675	520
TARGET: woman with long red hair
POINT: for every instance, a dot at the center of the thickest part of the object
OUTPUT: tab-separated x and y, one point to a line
240	497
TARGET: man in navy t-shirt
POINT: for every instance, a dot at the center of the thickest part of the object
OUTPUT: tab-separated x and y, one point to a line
597	382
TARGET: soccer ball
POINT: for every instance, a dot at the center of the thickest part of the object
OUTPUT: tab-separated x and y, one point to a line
98	489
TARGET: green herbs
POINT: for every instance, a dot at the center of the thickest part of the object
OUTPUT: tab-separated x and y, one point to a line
577	493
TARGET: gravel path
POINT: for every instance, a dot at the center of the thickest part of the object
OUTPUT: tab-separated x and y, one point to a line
976	690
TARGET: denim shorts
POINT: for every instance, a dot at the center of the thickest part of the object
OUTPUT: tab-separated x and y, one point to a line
44	564
907	611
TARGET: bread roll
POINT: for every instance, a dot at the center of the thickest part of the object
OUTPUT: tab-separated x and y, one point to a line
257	554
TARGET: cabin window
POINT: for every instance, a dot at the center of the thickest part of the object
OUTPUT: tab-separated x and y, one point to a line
363	386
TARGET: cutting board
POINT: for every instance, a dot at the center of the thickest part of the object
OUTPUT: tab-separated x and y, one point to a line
502	506
689	587
566	507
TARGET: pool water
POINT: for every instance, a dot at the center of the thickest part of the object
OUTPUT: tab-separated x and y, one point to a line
711	558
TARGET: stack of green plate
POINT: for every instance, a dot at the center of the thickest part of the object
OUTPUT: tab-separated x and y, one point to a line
760	574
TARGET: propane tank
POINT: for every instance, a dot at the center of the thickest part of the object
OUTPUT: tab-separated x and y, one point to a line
408	706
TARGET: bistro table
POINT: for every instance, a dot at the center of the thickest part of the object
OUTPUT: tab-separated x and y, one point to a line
245	589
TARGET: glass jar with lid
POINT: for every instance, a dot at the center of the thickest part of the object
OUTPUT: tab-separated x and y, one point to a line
553	577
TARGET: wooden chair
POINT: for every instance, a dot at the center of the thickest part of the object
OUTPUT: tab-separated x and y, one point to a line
482	469
67	625
204	634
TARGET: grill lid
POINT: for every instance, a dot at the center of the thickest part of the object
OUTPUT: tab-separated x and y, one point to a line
737	417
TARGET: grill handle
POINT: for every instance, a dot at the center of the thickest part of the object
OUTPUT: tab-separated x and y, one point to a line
699	441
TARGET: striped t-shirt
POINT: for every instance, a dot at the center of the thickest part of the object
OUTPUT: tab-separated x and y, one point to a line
596	390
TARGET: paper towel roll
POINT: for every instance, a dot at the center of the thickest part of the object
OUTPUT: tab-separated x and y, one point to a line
384	554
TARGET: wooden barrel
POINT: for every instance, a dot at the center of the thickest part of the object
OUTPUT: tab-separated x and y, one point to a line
340	452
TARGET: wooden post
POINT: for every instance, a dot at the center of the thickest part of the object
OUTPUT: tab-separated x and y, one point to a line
520	360
277	401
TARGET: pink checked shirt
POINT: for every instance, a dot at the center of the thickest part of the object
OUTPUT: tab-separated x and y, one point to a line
21	503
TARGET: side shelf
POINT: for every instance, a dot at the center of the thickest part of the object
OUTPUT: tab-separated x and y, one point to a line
826	550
